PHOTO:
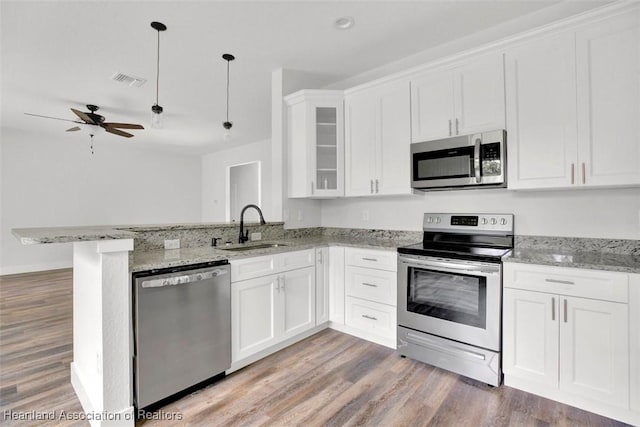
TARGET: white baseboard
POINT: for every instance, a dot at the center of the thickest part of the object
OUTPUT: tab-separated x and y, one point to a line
122	418
32	268
385	341
617	413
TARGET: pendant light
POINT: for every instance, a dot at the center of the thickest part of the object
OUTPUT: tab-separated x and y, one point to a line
156	109
227	124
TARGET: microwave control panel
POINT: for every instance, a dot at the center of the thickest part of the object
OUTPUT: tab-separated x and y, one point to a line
490	158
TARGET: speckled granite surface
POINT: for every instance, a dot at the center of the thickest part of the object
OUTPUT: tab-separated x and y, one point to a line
40	235
597	254
147	260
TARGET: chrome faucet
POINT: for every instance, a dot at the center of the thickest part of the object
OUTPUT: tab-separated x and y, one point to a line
244	237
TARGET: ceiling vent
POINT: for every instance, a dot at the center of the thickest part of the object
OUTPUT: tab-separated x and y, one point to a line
129	80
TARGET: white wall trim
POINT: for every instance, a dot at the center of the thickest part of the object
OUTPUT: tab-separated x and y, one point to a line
32	268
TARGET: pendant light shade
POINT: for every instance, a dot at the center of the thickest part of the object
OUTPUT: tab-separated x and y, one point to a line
156	109
227	125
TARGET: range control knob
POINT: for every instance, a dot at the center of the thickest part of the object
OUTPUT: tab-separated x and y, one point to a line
484	221
503	221
429	219
438	220
494	221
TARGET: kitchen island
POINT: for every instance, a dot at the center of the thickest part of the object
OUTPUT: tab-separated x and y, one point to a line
103	260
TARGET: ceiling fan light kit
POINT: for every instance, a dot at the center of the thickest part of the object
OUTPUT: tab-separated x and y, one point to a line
156	109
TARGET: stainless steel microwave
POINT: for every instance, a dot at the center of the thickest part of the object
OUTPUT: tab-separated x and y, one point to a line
464	161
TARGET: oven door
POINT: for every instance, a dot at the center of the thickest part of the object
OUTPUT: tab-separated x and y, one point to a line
453	299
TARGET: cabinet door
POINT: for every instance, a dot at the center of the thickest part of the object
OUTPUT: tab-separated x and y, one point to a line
541	113
394	139
432	108
360	143
300	150
594	350
530	336
608	71
254	316
298	292
322	285
479	95
336	284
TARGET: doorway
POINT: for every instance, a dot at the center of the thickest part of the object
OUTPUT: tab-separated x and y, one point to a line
244	187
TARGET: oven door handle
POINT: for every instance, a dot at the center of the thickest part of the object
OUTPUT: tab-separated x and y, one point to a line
448	349
485	269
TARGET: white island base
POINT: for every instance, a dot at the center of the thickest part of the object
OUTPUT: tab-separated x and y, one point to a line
101	371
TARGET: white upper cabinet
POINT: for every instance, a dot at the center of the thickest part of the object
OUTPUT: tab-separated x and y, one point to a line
541	113
315	143
457	100
573	107
377	140
608	64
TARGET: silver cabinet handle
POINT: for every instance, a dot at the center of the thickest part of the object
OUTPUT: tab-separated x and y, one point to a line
584	172
457	128
561	282
312	187
377	190
565	310
366	316
573	174
370	259
284	284
369	284
449	127
476	159
553	308
371	182
320	261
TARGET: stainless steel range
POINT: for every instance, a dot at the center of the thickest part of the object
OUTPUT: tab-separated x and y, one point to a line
450	293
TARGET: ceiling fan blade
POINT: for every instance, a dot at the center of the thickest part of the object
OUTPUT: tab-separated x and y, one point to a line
122	125
73	129
84	116
118	132
54	118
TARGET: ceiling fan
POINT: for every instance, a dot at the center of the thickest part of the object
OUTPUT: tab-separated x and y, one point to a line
93	119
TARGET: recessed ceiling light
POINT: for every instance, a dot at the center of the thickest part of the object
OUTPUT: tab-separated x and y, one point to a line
344	23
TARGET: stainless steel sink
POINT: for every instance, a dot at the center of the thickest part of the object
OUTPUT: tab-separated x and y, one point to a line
251	247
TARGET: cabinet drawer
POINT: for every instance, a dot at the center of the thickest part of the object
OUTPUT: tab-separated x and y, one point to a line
373	285
369	258
595	284
249	268
378	319
294	260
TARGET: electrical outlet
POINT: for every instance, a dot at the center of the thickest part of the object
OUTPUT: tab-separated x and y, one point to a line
365	214
256	236
300	215
172	244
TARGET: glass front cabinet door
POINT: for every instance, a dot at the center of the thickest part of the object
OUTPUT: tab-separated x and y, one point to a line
315	144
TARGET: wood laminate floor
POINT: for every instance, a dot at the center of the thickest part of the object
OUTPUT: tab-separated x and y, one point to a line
329	379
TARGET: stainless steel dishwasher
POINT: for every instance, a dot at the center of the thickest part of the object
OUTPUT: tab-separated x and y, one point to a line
182	329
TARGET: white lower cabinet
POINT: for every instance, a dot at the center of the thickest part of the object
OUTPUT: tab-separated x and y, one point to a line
297	292
563	340
322	285
336	285
370	295
254	316
268	310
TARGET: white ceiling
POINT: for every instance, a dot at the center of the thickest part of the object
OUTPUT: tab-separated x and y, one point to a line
61	54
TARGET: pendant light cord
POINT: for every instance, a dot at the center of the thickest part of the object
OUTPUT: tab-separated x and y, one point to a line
158	70
228	90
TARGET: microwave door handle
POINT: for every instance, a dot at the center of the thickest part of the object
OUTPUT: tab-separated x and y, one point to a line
476	159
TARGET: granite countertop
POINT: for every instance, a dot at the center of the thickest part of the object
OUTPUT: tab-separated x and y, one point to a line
40	235
572	258
147	260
